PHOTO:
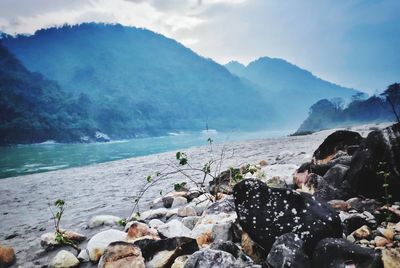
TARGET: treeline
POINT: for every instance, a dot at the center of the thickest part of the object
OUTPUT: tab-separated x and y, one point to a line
332	113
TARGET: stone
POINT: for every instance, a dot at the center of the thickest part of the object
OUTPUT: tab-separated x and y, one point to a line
388	233
7	256
363	204
339	140
180	261
252	249
48	240
99	242
380	146
154	223
228	246
267	213
190	221
101	220
173	228
338	252
223	182
167	201
162	253
381	241
83	256
178	202
64	259
194	192
287	251
187	211
397	227
211	258
202	202
157	203
122	254
362	233
330	186
391	257
153	214
140	230
339	205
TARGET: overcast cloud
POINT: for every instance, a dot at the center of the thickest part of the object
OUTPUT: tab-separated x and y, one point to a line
353	43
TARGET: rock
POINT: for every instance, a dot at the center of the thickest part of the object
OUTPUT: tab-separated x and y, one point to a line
267	213
122	254
7	256
339	205
173	228
190	221
48	240
397	227
99	242
153	214
391	257
380	146
228	246
388	233
287	251
276	182
362	205
211	258
100	220
381	241
252	249
202	203
157	203
339	140
179	202
337	253
330	187
223	182
167	201
354	222
362	232
283	174
187	211
83	256
162	253
64	259
171	212
140	230
180	261
194	193
284	155
154	223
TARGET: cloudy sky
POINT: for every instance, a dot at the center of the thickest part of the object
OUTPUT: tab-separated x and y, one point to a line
353	43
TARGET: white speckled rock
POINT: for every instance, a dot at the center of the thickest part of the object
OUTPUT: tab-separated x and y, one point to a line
173	228
99	242
64	259
100	220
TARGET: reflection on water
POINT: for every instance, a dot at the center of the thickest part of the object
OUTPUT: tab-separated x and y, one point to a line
26	159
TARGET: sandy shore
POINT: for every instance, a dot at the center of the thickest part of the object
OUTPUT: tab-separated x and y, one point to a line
108	188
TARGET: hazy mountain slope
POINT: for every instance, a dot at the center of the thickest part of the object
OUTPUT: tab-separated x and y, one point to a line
33	109
292	88
141	82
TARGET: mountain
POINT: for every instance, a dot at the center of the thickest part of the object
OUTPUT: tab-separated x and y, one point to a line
330	114
140	82
34	109
293	89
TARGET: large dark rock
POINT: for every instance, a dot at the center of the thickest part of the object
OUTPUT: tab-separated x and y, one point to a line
211	258
379	152
337	253
267	213
287	251
341	140
330	186
177	246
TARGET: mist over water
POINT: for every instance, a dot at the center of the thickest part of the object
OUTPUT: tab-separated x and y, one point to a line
27	159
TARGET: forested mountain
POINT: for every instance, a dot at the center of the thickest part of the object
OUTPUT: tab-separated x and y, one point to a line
139	82
34	109
330	113
293	89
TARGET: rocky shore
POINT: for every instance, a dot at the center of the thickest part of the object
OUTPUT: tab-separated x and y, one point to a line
329	199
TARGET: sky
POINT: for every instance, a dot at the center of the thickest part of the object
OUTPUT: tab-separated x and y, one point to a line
353	43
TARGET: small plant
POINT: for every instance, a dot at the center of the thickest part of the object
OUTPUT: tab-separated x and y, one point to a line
61	238
384	174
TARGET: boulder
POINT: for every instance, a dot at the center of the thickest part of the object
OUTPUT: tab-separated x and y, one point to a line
157	213
83	256
162	253
167	201
338	253
178	202
187	211
100	220
190	221
122	254
378	155
223	182
64	259
7	256
287	251
180	261
154	223
267	213
99	242
363	204
339	140
140	230
173	228
232	248
211	258
330	186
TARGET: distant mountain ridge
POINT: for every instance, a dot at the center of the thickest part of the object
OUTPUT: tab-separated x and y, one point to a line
288	84
140	82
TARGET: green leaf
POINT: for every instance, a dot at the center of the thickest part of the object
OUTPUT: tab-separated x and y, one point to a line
178	155
59	203
148	178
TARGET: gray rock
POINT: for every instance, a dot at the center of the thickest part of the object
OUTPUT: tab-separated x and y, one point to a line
178	202
64	259
173	228
211	258
190	221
